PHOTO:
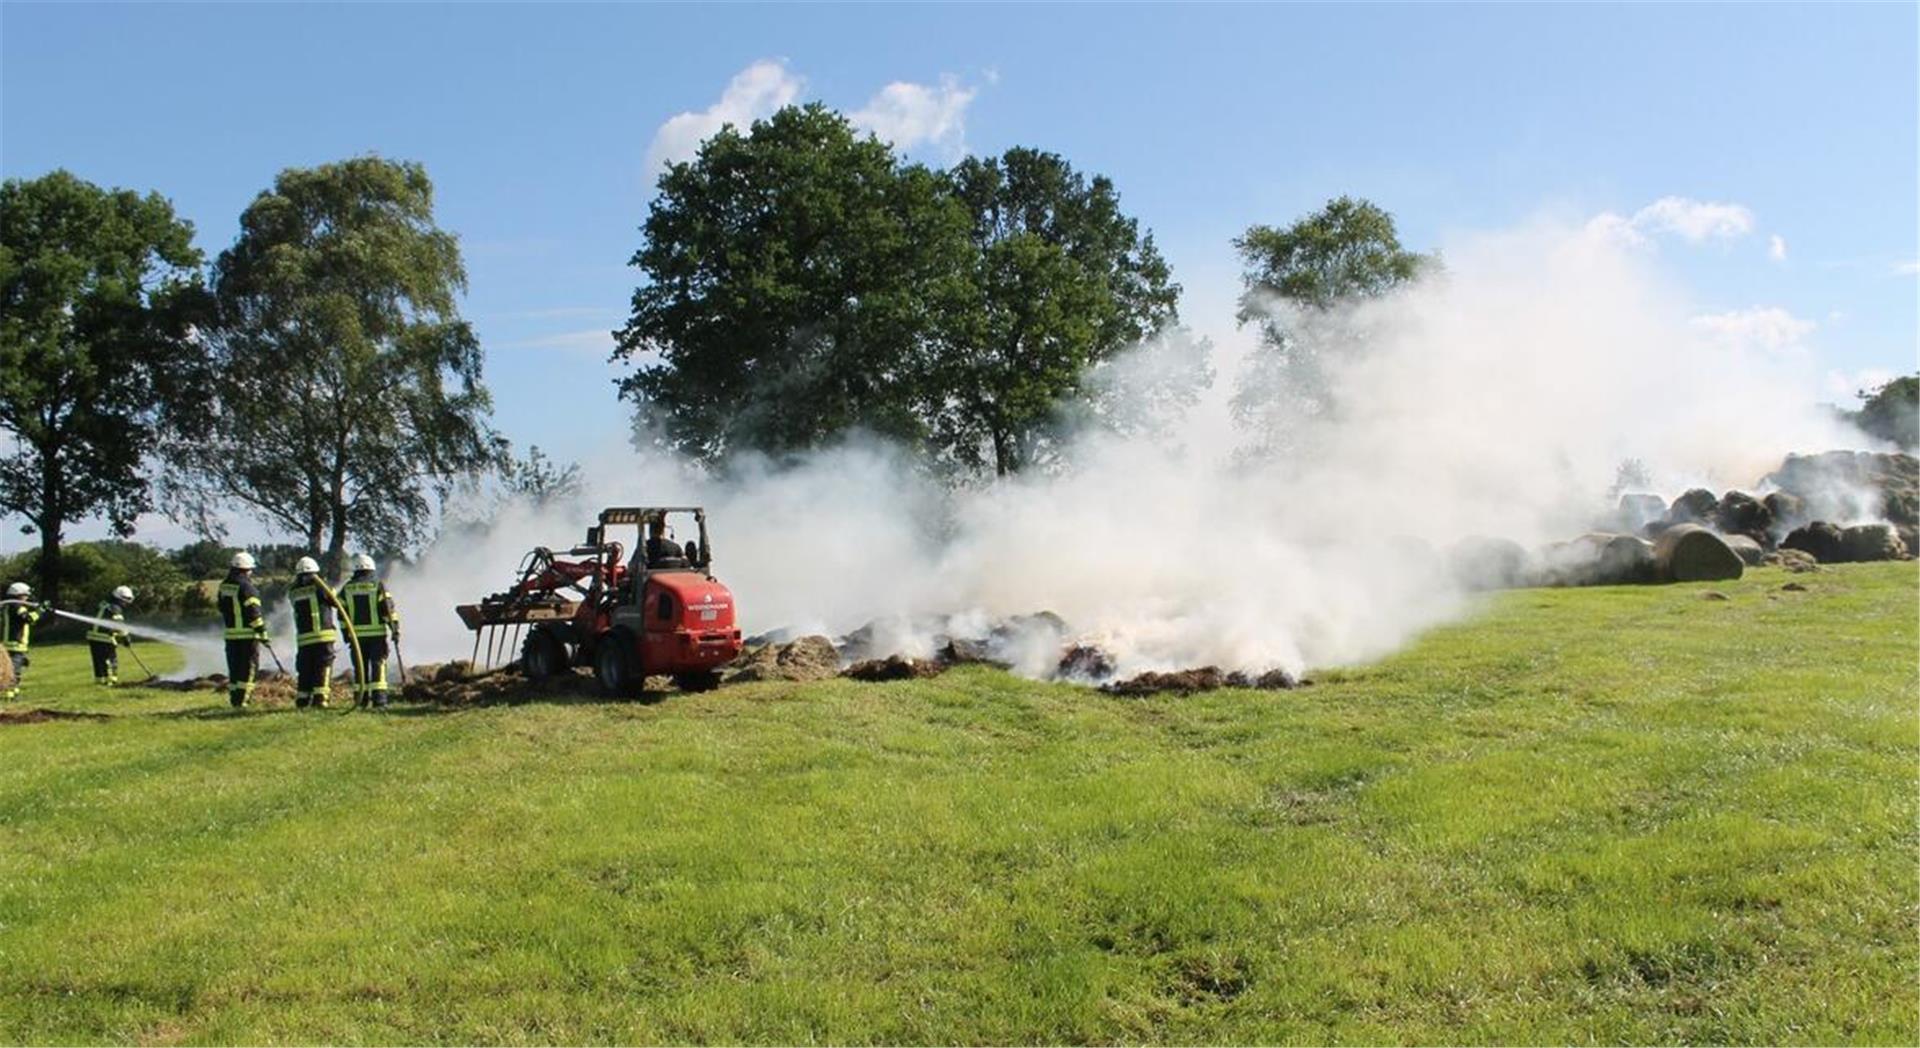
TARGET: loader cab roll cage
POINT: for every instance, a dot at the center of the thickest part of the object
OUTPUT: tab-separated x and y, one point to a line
699	557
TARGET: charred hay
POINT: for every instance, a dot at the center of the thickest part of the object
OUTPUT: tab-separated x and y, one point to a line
1203	678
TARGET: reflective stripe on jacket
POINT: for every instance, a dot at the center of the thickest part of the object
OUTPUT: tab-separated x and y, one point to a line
239	604
16	625
97	634
370	610
312	615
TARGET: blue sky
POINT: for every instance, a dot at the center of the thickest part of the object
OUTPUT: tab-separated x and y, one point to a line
536	123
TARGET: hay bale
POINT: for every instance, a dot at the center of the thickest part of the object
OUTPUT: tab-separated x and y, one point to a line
1741	514
1749	551
893	667
1637	510
960	651
1085	662
808	658
1691	553
1598	559
1696	504
1788	510
6	671
1479	562
1794	560
1864	542
1820	540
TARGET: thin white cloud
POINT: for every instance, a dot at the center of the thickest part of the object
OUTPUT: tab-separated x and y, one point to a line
911	115
1691	220
757	91
595	341
1907	269
1777	248
907	114
1762	327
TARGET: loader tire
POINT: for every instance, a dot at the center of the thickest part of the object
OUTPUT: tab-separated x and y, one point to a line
543	657
617	668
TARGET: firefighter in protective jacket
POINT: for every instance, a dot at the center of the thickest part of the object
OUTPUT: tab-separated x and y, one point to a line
371	618
244	627
103	641
17	617
313	625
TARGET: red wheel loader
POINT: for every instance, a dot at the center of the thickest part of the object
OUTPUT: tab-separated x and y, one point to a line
628	619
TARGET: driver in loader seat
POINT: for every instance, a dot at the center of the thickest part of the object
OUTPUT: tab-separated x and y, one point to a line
663	552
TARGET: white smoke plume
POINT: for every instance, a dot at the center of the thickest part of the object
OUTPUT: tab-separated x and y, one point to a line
1497	399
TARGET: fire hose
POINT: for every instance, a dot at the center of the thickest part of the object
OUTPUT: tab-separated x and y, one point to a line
346	624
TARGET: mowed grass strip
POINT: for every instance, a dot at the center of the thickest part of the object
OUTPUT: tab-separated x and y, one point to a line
1634	814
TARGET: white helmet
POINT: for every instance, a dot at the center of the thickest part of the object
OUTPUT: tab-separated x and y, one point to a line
123	594
243	560
19	589
362	562
306	566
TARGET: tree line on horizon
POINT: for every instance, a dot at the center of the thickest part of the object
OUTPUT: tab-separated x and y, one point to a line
799	282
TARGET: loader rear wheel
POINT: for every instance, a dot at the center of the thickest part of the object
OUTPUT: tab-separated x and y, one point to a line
614	666
543	656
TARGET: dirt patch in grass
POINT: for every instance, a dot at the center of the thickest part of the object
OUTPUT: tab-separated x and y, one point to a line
42	715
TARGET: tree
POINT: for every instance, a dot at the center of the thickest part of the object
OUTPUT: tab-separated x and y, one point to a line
539	480
792	278
349	388
1297	282
1891	412
98	292
1060	282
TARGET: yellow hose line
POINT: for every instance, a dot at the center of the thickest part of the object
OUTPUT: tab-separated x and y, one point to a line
346	626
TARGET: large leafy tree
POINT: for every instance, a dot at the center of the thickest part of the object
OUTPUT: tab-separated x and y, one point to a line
1061	281
98	292
348	387
793	273
1299	281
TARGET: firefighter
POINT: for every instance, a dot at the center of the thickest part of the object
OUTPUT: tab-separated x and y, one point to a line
371	619
313	624
660	548
17	617
104	641
244	627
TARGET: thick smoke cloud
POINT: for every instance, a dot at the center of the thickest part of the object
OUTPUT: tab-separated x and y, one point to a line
1497	399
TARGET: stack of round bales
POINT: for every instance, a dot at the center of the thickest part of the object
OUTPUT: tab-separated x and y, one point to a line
1691	553
1599	559
1480	562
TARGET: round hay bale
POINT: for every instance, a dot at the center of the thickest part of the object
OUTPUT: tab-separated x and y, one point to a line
1741	514
1822	541
6	671
1479	562
1864	542
1696	504
1749	551
1691	553
1787	509
1598	559
1637	510
1909	538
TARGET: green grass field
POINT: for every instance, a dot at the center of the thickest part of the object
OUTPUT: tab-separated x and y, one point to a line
1600	815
